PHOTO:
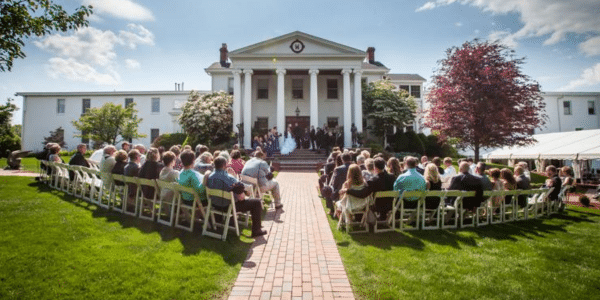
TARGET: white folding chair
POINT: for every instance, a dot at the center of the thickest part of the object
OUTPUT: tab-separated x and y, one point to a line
482	213
168	198
432	215
258	192
463	213
63	176
409	215
523	212
390	221
118	193
190	208
227	211
533	202
43	169
147	204
451	213
354	206
78	184
131	183
509	210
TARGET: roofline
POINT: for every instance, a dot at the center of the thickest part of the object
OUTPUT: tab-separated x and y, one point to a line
281	37
571	93
114	93
295	56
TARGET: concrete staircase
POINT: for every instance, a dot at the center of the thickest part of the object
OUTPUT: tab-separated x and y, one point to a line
300	160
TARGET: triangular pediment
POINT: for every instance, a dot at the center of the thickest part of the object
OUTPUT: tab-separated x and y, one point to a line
297	44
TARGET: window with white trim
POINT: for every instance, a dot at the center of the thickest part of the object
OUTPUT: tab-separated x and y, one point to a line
85	105
128	101
155	105
415	91
332	89
60	106
154	132
230	85
262	88
591	107
297	89
567	107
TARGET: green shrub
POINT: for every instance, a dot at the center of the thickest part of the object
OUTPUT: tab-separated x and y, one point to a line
169	139
584	200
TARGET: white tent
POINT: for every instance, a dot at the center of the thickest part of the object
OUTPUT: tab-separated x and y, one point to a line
573	145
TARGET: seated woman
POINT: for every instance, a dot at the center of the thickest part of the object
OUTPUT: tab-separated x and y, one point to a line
354	181
393	167
497	185
119	167
168	174
54	156
434	183
566	175
236	163
150	170
509	181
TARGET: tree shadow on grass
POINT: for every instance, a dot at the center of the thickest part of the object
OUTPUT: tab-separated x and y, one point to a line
468	237
233	249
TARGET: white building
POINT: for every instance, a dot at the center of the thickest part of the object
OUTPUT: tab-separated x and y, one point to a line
571	111
45	112
294	78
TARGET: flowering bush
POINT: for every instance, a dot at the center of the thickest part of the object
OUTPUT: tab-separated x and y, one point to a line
207	118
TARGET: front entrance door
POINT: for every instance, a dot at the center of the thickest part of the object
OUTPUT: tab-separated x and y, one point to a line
303	122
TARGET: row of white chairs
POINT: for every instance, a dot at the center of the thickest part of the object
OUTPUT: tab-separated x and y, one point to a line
505	209
106	191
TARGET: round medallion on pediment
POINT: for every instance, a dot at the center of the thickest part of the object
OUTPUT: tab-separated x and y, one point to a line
297	46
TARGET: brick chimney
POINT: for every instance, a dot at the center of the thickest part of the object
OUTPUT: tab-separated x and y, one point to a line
224	56
371	55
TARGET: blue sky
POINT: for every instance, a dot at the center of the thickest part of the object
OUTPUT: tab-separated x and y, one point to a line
138	45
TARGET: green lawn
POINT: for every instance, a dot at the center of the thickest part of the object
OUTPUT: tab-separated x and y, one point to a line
54	246
554	258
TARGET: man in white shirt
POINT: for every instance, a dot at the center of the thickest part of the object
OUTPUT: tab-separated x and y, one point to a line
449	172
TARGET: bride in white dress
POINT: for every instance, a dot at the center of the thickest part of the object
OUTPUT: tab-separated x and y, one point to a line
289	144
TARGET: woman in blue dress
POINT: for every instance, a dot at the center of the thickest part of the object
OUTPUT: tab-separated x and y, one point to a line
289	144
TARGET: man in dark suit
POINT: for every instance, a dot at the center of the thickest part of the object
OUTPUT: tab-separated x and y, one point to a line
553	181
78	159
320	135
313	138
298	133
337	181
523	183
464	181
382	181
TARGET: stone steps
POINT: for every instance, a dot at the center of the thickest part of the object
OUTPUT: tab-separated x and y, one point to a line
300	160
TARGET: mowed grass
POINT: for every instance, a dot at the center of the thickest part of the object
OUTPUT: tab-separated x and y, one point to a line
556	258
55	246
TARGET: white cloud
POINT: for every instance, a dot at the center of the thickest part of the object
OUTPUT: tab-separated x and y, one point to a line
590	76
591	46
458	24
91	49
552	18
123	9
73	70
132	64
504	37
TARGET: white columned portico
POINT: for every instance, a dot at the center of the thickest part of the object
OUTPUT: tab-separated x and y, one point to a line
281	103
247	108
237	98
314	102
358	100
347	109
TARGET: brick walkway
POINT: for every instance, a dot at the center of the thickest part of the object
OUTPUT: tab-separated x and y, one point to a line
298	259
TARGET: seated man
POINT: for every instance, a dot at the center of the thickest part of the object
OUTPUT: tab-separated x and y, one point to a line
381	181
132	169
411	180
337	181
191	178
78	159
259	169
219	179
465	181
523	183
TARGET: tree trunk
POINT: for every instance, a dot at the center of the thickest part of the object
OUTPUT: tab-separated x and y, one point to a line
476	150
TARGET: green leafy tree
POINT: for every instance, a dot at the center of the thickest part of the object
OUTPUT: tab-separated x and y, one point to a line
57	136
20	19
387	107
109	122
208	119
9	140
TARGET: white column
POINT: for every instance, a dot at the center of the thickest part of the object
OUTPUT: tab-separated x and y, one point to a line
358	100
347	109
247	108
237	98
280	103
314	102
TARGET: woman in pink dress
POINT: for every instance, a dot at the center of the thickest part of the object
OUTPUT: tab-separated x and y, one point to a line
236	162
